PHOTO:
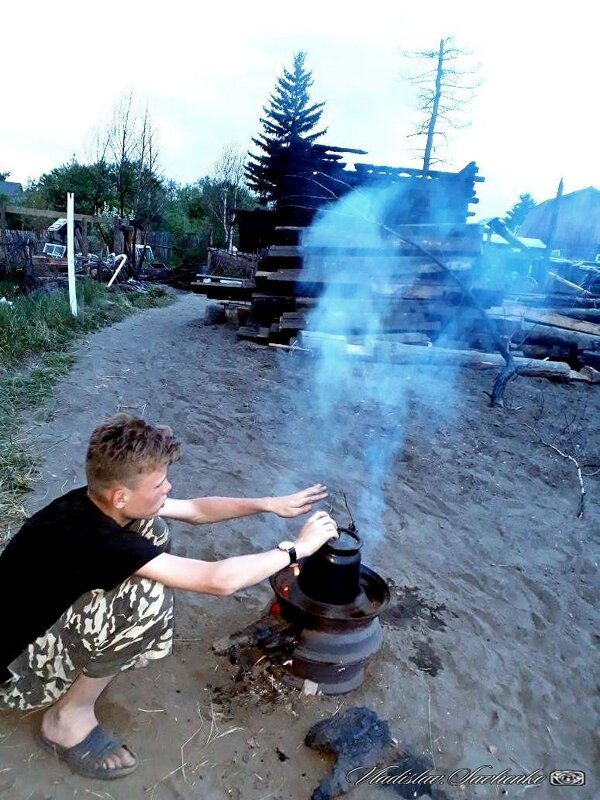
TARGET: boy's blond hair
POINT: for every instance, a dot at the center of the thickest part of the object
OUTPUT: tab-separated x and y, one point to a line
123	448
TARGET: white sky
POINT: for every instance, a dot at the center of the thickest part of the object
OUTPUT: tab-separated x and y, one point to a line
207	69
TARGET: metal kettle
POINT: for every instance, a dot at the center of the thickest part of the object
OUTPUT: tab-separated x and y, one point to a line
332	574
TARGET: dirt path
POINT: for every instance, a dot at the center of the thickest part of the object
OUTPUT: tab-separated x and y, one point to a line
488	655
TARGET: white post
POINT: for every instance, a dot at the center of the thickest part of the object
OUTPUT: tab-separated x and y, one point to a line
71	252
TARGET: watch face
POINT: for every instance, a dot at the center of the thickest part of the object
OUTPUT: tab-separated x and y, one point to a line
285	545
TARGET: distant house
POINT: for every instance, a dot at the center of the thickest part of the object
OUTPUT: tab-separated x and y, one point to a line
576	221
508	258
10	190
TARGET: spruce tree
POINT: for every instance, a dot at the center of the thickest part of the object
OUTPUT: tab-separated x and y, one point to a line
288	120
519	211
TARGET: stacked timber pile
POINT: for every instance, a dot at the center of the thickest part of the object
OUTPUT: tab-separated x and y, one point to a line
432	289
419	311
397	287
554	335
556	326
228	276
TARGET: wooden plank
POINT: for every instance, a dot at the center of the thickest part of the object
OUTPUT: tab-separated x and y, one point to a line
363	273
548	318
356	319
383	289
255	334
386	285
219	291
392	305
438	239
42	213
537	332
322	268
208	280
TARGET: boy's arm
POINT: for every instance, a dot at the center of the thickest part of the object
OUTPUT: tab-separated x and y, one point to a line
216	509
232	574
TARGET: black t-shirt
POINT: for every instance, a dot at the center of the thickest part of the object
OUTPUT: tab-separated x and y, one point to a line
63	551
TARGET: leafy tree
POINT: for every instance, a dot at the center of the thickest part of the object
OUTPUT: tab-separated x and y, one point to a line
445	87
3	197
93	185
288	119
187	218
519	211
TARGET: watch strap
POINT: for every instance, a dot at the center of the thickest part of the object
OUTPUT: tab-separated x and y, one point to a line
289	548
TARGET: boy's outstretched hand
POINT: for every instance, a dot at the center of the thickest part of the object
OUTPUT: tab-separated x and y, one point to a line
292	505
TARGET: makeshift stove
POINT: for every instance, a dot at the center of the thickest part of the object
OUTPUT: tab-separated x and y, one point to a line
333	602
321	627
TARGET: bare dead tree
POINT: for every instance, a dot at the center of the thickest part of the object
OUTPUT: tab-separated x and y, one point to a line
445	88
97	153
122	146
132	145
227	181
148	197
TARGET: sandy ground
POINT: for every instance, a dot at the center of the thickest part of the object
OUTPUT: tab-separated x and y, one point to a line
488	655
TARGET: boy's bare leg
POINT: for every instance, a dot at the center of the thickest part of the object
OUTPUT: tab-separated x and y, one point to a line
72	717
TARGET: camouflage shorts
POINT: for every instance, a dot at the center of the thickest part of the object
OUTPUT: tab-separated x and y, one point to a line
101	634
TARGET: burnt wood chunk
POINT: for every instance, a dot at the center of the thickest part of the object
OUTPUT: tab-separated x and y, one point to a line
268	629
361	742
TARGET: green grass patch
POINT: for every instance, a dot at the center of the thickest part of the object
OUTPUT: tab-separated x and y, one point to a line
37	335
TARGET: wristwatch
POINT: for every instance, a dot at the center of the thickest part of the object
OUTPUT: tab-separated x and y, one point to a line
288	547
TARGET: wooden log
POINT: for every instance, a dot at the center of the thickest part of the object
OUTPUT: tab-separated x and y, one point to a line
589	314
396	353
265	629
541	351
569	284
406	337
593	375
536	332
